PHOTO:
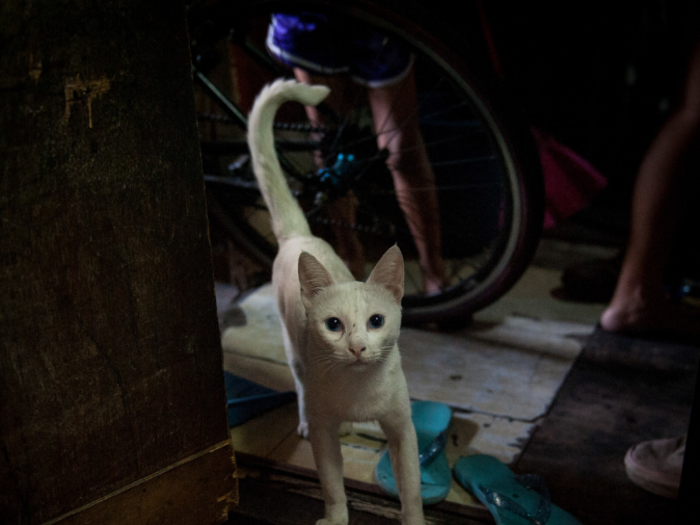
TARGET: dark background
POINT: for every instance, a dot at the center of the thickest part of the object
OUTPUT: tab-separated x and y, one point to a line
599	75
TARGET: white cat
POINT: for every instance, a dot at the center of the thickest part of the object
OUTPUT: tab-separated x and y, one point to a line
340	335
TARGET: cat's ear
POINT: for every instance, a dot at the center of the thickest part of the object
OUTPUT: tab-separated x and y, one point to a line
313	277
389	272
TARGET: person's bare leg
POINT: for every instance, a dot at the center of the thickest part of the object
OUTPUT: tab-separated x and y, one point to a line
639	302
341	100
395	113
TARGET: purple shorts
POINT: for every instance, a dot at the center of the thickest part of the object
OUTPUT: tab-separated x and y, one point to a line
326	45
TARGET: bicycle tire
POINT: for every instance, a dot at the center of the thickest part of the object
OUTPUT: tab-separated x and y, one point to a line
522	201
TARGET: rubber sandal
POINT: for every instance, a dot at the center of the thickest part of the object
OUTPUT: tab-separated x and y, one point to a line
656	465
431	420
246	399
511	499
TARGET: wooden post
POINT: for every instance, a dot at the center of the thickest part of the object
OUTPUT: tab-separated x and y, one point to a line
112	404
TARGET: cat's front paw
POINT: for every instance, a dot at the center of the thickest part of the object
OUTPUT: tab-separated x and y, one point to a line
303	429
335	515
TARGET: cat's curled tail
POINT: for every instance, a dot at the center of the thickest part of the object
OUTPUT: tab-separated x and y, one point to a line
288	219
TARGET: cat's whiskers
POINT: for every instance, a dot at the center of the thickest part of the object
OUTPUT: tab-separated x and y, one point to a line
327	362
380	357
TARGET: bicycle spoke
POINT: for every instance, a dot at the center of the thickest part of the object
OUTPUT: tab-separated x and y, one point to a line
261	57
473	178
234	112
226	104
393	130
415	113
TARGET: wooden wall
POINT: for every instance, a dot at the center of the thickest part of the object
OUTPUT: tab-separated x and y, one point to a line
112	405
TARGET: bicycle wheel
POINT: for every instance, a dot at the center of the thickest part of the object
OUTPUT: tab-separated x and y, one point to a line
486	171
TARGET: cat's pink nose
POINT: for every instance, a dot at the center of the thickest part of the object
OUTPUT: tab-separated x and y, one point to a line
357	351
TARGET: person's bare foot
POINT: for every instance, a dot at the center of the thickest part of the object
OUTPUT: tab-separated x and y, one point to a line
637	317
434	275
630	316
433	284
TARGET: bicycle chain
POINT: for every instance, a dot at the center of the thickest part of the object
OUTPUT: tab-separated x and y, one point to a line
280	126
299	126
357	227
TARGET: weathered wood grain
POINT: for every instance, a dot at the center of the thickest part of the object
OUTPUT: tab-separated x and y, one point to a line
186	492
110	360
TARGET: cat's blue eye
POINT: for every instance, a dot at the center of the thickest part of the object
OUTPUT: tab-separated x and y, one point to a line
376	321
334	324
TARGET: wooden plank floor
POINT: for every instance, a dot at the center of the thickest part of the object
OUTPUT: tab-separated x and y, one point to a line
620	391
280	495
499	375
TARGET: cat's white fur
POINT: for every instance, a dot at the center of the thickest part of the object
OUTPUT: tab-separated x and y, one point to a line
349	374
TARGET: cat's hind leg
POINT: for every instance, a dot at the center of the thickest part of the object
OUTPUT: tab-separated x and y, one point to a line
298	374
303	428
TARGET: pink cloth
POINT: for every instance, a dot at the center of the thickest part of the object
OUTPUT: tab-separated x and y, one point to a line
570	181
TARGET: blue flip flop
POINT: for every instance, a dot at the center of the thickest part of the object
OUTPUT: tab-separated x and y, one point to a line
431	420
511	499
246	399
